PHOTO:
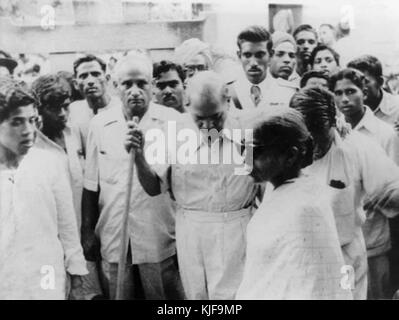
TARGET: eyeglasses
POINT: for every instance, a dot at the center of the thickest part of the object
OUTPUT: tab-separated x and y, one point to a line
192	68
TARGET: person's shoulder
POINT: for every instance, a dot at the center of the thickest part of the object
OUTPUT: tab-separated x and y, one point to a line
389	104
288	85
164	113
362	146
46	159
77	105
106	116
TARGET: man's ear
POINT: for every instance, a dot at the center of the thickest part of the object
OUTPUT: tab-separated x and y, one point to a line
108	77
239	54
292	156
380	81
365	92
226	92
115	84
75	84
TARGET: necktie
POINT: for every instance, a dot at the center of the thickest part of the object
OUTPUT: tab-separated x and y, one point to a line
256	95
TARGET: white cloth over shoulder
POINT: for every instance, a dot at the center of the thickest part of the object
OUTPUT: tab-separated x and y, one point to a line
38	219
293	250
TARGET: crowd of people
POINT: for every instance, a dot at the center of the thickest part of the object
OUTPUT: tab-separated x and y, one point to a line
311	215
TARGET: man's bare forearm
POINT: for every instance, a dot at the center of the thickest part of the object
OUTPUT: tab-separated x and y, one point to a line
90	215
149	179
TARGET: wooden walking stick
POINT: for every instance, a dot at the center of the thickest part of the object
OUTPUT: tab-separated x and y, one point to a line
125	222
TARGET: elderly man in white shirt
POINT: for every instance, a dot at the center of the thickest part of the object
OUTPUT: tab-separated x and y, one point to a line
39	244
215	202
256	85
348	87
151	261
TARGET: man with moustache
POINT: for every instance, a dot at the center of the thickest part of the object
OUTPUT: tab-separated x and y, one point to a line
151	266
169	85
254	85
215	204
39	241
91	80
306	39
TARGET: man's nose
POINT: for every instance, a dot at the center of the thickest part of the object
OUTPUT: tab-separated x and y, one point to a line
63	112
286	59
29	128
253	61
344	98
90	80
167	90
135	90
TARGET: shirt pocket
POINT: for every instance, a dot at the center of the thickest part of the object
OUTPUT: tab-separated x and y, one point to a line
343	205
111	168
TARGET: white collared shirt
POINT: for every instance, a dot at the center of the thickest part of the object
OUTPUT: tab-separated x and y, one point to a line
381	132
212	187
75	163
388	109
376	227
151	220
42	234
80	115
363	167
275	92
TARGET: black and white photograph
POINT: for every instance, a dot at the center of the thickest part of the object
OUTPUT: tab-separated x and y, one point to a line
195	150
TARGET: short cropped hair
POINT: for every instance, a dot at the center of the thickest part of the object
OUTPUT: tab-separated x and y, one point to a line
138	57
89	58
313	74
12	96
322	47
255	33
165	66
304	27
49	90
367	63
353	75
317	107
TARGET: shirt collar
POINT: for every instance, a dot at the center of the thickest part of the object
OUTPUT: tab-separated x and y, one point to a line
367	122
230	124
386	105
264	85
116	114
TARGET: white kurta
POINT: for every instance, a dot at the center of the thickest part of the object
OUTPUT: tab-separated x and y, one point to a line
293	251
38	231
362	169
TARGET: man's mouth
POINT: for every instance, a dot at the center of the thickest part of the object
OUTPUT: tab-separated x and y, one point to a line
286	69
91	90
169	99
135	101
346	108
254	71
27	143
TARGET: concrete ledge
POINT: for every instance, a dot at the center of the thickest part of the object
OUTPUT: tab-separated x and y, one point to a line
100	37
